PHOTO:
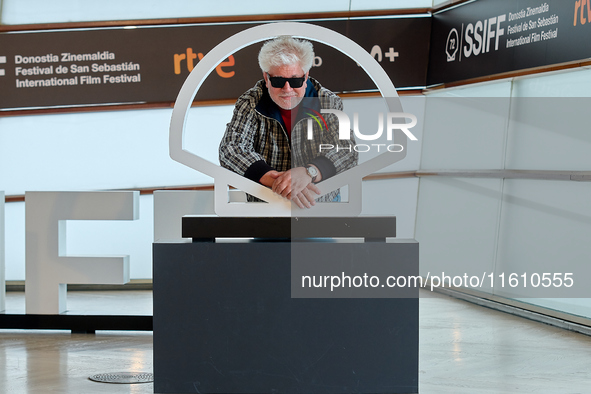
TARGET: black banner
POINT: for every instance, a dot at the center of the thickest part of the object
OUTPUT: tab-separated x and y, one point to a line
149	64
489	37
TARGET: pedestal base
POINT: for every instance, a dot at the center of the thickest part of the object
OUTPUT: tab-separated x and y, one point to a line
225	322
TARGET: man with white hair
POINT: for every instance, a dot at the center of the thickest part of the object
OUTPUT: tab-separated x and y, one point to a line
267	138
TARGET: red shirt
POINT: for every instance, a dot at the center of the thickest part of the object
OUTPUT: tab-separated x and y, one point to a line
288	116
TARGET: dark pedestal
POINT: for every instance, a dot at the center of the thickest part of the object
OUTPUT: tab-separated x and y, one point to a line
225	322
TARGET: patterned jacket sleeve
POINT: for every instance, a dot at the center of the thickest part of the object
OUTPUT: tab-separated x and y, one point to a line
236	151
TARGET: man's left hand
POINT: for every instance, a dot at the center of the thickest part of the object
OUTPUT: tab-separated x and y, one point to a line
296	185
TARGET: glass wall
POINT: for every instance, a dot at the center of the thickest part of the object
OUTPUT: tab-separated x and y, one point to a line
480	223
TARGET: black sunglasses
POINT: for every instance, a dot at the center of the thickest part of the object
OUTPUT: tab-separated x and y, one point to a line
279	82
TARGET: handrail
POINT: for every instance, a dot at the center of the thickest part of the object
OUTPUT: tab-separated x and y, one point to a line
546	175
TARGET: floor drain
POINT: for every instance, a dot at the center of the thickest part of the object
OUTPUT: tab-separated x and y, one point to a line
123	377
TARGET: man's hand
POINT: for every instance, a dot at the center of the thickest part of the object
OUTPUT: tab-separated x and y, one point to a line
296	184
291	182
306	198
269	178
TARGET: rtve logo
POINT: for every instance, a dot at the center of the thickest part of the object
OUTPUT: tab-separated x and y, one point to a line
189	56
580	11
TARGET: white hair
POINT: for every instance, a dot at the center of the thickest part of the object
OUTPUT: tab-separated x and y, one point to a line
286	51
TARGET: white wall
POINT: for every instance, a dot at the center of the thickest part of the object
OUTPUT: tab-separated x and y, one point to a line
100	150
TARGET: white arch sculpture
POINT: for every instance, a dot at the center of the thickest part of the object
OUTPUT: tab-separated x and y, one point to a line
277	205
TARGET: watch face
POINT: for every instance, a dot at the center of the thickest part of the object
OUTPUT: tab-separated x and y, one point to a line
312	171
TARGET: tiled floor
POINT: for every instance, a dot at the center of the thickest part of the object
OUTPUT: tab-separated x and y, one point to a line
464	348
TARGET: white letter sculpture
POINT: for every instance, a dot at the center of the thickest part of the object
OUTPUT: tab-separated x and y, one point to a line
48	267
171	205
2	257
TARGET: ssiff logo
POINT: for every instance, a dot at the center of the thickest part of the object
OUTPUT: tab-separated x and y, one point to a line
477	38
451	47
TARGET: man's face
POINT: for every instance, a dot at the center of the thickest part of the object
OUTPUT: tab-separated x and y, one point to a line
286	96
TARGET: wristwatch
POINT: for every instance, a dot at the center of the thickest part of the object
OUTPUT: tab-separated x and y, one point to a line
313	172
